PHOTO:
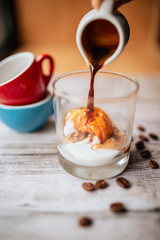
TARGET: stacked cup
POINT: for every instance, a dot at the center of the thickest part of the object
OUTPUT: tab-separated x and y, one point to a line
25	103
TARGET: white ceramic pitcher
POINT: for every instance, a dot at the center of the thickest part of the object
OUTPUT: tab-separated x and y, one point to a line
105	13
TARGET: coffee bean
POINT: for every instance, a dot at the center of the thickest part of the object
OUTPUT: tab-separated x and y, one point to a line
122	182
145	154
88	186
153	164
143	138
101	184
157	209
141	128
153	136
117	207
85	221
139	145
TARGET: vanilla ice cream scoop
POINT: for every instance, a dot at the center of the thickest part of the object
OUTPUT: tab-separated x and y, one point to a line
81	123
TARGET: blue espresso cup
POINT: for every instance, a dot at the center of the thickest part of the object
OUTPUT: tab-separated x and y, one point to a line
27	118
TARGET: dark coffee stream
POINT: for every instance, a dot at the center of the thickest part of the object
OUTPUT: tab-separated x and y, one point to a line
100	40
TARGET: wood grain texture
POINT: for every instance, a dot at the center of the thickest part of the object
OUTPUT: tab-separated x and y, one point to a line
39	200
54	226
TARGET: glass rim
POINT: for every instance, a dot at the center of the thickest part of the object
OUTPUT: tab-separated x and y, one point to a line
98	100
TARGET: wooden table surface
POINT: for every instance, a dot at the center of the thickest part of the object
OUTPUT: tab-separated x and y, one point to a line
40	201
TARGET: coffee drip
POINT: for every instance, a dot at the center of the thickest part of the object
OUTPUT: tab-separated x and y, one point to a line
100	40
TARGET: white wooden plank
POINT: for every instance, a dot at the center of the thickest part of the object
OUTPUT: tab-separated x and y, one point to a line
50	226
33	176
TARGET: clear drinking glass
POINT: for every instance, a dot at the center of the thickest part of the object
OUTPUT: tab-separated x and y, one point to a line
115	94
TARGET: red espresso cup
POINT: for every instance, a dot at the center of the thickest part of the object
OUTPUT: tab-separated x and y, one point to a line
22	80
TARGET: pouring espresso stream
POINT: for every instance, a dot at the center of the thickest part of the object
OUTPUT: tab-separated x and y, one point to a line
101	36
100	40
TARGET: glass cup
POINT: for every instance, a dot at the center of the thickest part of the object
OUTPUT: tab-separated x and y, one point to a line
115	99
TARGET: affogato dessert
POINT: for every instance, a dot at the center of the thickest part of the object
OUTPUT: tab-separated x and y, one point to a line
91	138
94	131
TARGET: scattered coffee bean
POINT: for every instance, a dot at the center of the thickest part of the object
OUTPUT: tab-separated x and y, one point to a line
117	207
153	164
88	186
101	184
85	221
141	128
139	145
122	182
143	138
153	136
145	154
157	209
